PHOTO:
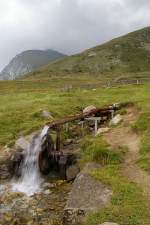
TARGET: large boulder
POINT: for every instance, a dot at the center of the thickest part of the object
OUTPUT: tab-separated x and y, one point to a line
87	195
46	114
102	130
72	171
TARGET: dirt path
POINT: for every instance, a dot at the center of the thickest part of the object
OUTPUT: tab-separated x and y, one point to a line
124	136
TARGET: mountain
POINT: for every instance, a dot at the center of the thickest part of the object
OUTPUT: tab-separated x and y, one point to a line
28	61
126	56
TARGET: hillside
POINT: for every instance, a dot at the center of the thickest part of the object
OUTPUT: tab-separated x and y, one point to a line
28	61
126	56
20	114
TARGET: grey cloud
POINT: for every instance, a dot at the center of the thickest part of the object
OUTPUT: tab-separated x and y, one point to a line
69	26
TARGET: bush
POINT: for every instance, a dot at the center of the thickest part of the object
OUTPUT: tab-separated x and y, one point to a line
96	149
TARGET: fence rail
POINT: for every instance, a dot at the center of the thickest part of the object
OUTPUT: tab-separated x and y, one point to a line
108	84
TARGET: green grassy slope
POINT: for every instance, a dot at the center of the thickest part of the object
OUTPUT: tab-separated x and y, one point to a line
20	114
126	56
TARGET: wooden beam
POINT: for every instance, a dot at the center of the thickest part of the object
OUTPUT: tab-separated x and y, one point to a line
99	112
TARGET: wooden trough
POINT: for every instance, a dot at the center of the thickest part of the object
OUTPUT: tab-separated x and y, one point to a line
96	115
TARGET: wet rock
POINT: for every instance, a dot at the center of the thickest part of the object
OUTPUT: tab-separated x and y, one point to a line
16	164
88	109
102	130
22	144
116	120
87	195
72	171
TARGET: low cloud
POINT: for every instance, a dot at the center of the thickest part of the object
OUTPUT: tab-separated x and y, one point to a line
69	26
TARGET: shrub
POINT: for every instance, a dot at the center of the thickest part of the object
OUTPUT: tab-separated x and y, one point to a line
96	149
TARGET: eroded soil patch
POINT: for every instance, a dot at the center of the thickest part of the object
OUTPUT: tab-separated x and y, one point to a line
124	136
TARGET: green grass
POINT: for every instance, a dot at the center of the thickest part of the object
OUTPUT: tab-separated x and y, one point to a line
124	57
96	149
21	102
127	207
20	105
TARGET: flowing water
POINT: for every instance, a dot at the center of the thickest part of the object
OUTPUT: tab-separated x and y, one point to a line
30	199
31	180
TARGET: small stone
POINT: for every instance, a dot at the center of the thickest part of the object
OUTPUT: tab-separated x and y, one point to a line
48	185
88	109
102	130
47	192
116	120
46	114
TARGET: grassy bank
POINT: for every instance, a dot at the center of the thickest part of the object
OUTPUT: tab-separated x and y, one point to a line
21	103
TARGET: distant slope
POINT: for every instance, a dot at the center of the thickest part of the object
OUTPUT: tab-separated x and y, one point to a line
28	61
128	55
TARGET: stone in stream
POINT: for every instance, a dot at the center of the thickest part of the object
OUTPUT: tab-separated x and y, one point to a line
87	195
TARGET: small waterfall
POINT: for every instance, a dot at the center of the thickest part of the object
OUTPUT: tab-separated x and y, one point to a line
31	180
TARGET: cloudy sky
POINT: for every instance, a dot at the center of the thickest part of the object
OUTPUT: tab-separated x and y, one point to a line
69	26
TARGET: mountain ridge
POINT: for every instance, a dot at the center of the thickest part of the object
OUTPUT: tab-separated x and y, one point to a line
128	55
28	61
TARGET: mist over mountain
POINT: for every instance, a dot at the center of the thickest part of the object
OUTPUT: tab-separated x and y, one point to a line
27	62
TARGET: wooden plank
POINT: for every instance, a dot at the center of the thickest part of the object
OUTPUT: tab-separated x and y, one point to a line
82	116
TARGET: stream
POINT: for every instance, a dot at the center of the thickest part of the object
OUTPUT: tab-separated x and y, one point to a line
43	208
33	199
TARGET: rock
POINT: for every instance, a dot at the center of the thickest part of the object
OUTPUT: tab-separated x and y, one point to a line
87	195
46	115
22	144
109	223
47	192
116	120
72	172
16	163
88	109
102	130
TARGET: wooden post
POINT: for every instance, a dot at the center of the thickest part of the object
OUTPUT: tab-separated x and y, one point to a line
95	120
58	131
67	127
96	126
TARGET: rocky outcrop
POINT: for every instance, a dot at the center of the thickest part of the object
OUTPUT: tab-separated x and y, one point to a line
87	195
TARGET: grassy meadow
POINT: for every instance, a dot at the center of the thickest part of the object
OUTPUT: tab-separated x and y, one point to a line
21	103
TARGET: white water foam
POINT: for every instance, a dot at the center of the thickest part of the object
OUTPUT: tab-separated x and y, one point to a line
31	180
